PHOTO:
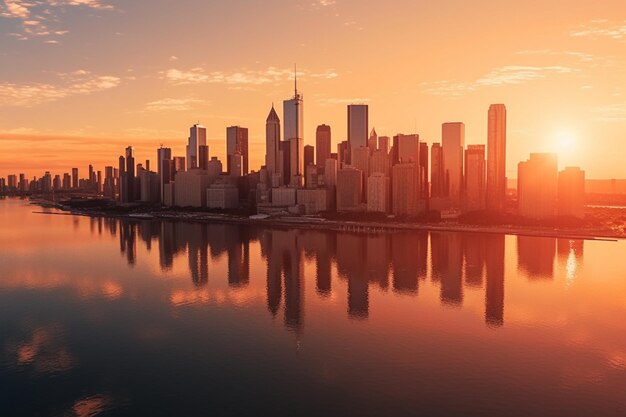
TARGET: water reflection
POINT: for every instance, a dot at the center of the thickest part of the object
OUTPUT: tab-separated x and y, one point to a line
400	261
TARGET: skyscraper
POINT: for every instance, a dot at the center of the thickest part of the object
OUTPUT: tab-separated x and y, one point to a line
197	137
237	142
437	176
453	139
405	148
309	155
272	147
372	142
293	119
571	194
322	145
74	178
164	167
537	182
475	178
496	157
358	128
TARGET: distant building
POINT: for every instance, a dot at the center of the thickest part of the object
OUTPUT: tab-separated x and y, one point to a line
537	186
378	192
358	129
453	139
272	148
313	200
223	195
571	192
496	157
379	162
237	143
322	146
309	155
74	178
330	173
361	161
349	189
150	187
372	142
383	143
475	178
283	197
235	164
405	184
190	188
405	148
197	138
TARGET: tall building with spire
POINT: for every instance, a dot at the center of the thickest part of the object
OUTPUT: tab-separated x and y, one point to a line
496	157
197	138
272	147
293	125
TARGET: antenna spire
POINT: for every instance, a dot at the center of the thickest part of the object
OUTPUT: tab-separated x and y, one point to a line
295	80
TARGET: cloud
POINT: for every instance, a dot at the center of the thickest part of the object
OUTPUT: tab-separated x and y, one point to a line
611	113
334	101
37	15
172	104
601	29
271	75
505	75
77	83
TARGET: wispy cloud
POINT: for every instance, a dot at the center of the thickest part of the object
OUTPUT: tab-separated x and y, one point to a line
601	29
39	18
611	113
505	75
271	75
70	84
335	101
172	104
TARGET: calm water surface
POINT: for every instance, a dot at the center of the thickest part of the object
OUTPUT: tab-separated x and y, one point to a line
109	317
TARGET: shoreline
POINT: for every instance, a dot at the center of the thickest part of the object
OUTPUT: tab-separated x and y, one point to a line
317	223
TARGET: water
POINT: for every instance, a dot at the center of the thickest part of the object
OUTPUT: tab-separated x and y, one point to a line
109	317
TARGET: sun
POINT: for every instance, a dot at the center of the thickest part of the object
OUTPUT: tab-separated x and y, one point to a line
565	143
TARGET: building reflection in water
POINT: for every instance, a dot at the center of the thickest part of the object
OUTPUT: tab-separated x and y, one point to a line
397	260
535	256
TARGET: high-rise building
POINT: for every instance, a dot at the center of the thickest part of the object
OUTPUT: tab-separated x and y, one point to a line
293	119
309	155
383	143
405	148
361	161
437	174
475	177
197	137
405	189
164	168
378	192
203	156
235	161
349	189
379	162
423	168
322	145
372	142
330	174
343	154
496	157
453	139
537	182
358	128
571	192
272	148
296	162
293	116
74	178
237	142
129	171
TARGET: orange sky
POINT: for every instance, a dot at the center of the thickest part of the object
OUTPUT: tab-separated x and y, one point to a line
81	79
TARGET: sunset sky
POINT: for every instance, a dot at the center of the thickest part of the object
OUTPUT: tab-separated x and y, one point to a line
82	79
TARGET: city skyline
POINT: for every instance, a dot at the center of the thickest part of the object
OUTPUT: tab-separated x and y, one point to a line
561	86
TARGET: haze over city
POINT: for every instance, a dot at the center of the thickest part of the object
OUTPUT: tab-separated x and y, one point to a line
83	79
